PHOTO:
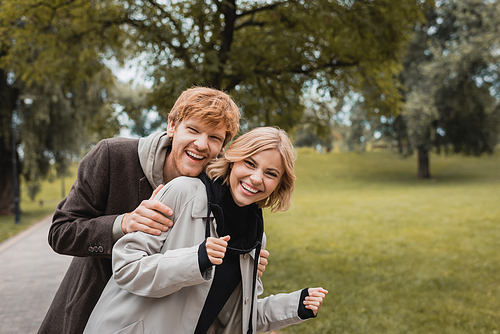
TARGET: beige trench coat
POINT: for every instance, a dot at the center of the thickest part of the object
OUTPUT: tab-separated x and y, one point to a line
157	286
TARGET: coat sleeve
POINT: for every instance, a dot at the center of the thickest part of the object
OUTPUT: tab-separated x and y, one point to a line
276	311
140	268
79	226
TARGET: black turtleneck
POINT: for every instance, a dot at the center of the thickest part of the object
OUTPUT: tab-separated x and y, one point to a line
238	222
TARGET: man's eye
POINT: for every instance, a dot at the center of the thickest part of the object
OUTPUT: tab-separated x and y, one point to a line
216	138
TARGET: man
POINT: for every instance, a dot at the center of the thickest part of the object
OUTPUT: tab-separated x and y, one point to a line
113	195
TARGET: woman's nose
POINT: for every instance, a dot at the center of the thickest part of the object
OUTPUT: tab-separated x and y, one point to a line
256	177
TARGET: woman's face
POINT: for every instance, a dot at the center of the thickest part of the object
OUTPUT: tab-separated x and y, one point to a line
256	177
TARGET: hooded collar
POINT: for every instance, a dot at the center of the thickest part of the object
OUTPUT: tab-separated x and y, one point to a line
152	152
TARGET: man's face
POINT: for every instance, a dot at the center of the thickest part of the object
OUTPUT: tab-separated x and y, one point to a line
194	144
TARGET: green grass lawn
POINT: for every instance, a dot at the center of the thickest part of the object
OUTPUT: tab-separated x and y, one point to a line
33	211
397	254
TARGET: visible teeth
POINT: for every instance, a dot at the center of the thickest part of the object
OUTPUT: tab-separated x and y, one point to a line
253	191
196	156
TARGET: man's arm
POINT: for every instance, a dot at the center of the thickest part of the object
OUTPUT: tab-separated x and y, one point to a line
148	217
82	225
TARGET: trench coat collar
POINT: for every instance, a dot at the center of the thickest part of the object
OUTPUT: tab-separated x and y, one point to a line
200	203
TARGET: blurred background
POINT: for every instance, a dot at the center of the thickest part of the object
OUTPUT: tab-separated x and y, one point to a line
393	105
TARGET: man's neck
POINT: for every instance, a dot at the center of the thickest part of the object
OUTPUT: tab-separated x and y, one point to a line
169	171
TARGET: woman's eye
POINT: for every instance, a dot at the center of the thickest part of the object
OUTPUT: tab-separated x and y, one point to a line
249	163
272	174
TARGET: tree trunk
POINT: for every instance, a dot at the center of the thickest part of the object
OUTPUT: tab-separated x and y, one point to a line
423	164
6	185
8	97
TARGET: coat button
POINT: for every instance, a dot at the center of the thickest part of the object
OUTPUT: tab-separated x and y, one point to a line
246	300
100	249
246	256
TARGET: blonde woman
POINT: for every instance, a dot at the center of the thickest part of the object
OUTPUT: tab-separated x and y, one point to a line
201	275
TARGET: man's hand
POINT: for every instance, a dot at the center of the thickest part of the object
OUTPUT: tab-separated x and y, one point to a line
262	262
315	299
216	249
149	217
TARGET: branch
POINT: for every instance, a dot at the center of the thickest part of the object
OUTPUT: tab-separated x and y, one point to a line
166	14
251	23
300	70
263	8
181	51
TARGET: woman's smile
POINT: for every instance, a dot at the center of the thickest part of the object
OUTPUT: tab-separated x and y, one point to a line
256	177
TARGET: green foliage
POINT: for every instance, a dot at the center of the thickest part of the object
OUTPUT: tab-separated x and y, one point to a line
137	107
316	124
397	254
32	189
267	53
451	73
54	80
57	40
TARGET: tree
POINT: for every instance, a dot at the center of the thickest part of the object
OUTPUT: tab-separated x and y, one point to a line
451	73
265	53
53	83
268	53
132	99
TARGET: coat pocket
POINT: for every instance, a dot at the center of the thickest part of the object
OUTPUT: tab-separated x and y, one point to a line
135	328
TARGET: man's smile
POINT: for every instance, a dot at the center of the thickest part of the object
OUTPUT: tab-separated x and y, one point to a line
195	156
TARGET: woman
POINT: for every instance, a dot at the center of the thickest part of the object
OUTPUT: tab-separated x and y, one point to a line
201	276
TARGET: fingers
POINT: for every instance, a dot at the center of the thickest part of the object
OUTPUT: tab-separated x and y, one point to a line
315	299
156	191
264	254
149	217
216	249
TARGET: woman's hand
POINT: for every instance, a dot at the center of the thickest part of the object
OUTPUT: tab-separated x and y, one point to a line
216	249
262	262
315	299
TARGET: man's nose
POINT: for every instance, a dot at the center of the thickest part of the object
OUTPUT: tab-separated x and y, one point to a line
201	142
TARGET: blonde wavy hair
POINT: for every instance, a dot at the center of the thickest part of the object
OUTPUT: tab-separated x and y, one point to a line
211	106
254	142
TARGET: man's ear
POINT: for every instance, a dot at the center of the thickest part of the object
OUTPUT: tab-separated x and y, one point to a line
170	128
222	150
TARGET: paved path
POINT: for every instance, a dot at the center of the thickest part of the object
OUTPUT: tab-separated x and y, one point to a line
30	273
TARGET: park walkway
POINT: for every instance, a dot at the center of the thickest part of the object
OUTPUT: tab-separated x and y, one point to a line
30	273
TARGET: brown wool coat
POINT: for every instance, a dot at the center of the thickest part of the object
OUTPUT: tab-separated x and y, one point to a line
110	182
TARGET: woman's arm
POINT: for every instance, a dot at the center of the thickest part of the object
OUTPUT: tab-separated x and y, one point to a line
140	268
278	311
138	264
